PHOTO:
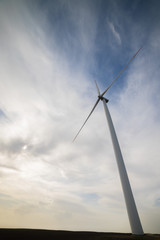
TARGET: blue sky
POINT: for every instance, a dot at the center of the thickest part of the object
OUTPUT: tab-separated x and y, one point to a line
51	53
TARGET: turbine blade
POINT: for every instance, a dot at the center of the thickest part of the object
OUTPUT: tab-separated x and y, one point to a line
97	88
86	119
121	71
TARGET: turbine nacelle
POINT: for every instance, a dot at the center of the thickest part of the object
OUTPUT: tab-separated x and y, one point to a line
103	98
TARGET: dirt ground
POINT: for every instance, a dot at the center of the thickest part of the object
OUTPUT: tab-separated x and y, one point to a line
29	234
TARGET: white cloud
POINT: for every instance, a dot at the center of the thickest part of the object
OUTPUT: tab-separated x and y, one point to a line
115	33
41	96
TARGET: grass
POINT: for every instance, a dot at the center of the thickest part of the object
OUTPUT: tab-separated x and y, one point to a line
29	234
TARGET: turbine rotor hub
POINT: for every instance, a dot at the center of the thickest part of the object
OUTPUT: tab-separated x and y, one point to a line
101	98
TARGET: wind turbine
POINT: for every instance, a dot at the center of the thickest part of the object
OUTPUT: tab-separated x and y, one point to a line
134	219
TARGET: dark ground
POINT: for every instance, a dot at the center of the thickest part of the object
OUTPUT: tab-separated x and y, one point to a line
29	234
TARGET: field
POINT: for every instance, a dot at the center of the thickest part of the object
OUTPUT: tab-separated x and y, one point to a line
29	234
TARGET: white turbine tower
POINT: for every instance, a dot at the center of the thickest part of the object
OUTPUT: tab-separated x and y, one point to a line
134	219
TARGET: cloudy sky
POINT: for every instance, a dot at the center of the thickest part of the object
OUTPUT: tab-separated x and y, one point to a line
50	54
